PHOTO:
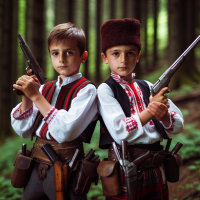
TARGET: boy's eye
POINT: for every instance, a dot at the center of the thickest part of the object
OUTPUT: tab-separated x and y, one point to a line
115	54
68	53
54	54
130	53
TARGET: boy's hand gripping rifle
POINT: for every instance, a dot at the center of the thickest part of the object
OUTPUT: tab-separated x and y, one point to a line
32	63
166	76
62	171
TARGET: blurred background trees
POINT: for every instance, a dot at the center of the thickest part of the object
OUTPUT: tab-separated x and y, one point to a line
168	27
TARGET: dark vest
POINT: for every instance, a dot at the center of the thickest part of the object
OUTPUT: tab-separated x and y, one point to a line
121	96
66	94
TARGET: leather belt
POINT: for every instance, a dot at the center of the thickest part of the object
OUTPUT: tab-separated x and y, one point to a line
65	151
155	161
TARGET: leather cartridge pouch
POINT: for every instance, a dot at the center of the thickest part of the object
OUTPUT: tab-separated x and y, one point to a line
172	167
109	173
85	173
22	170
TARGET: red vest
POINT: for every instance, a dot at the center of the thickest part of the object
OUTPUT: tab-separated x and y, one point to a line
66	94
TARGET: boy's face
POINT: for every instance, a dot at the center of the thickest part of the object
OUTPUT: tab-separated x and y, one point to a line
122	60
66	58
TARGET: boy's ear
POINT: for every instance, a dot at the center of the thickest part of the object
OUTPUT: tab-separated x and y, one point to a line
104	58
84	57
138	57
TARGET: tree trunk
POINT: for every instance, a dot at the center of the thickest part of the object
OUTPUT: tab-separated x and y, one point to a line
155	16
70	9
86	28
144	56
98	47
124	14
137	15
181	34
112	9
39	37
8	58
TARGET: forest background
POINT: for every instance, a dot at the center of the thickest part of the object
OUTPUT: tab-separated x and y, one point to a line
168	27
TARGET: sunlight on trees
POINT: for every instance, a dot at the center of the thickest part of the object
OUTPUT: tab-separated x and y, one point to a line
49	22
22	30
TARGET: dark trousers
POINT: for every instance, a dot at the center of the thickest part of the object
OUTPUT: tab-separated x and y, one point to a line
45	189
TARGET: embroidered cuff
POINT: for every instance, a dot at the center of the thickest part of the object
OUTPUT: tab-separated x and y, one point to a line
50	115
131	124
172	120
49	136
20	116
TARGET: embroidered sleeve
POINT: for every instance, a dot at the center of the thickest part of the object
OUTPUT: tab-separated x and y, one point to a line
172	121
131	124
19	116
50	115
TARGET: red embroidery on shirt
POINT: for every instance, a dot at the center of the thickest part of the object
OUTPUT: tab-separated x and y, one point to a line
49	114
132	108
23	115
172	113
151	123
131	124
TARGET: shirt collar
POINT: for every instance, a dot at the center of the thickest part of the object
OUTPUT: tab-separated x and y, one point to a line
68	80
118	78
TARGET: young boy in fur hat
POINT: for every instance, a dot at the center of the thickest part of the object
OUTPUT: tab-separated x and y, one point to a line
61	113
128	112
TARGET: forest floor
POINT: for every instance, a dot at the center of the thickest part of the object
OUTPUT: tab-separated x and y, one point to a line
186	187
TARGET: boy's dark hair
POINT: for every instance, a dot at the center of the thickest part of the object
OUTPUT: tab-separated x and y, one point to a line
116	32
68	31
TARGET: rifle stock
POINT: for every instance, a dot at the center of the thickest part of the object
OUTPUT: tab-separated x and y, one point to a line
61	172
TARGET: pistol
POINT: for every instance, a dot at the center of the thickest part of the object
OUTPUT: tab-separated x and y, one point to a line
89	155
165	78
32	63
176	148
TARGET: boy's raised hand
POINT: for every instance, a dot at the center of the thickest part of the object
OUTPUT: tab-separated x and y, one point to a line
29	85
159	112
160	97
159	105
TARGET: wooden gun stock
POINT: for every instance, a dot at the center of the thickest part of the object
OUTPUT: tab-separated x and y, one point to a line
61	172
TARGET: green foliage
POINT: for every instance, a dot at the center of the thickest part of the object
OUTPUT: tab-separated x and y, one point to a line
196	168
9	192
190	140
8	152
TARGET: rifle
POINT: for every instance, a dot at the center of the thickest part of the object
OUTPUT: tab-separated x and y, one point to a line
62	171
32	63
164	80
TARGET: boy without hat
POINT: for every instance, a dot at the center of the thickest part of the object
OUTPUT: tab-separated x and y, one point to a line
128	112
57	112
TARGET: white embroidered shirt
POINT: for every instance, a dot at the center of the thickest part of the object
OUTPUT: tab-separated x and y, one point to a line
130	128
62	125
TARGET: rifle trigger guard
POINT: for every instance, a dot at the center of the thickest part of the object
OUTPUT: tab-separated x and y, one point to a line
167	94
